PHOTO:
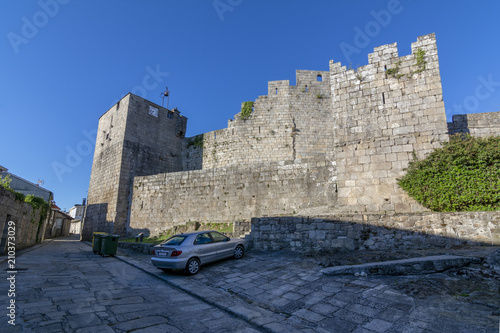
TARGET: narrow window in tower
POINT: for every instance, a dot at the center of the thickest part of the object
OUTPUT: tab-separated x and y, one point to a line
276	91
319	78
383	98
215	136
306	88
118	105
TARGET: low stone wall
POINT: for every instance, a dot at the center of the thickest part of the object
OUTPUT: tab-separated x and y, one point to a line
27	227
376	232
240	228
138	247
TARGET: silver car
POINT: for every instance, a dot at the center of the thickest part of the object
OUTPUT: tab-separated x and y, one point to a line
191	250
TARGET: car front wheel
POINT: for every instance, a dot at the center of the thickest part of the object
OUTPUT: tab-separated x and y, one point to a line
192	266
239	251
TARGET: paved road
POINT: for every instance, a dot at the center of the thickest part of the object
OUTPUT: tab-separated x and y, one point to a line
63	287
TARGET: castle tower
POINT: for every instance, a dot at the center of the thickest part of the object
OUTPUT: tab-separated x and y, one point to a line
135	138
385	114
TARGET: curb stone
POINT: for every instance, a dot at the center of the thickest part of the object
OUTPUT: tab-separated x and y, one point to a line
423	265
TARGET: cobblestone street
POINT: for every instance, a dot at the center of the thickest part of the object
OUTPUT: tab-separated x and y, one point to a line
61	286
298	297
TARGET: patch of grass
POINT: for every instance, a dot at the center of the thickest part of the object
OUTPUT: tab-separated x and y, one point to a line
190	226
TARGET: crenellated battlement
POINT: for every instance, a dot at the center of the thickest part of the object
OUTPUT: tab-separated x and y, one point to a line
385	112
391	95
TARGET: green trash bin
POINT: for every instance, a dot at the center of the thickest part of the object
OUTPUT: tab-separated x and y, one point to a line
96	241
109	245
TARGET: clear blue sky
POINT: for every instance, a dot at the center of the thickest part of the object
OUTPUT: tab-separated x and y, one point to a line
63	63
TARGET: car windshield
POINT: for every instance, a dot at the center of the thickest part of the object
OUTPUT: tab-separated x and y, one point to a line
175	240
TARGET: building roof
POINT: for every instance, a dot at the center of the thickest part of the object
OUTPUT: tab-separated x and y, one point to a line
26	181
64	215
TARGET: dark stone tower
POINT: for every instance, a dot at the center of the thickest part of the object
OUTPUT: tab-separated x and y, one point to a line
135	138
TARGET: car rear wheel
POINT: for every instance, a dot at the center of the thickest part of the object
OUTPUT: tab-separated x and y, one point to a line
192	266
239	251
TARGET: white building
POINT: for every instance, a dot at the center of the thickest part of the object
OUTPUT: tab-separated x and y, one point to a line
76	212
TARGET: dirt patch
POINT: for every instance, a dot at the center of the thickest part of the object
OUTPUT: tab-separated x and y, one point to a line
477	284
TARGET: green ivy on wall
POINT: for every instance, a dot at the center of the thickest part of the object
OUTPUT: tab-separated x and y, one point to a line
197	141
421	64
32	200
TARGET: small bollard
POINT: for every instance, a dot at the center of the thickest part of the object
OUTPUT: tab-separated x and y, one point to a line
139	237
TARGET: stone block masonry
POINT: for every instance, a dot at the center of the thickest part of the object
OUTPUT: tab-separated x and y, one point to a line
333	144
291	122
231	194
27	227
389	232
477	124
135	138
384	113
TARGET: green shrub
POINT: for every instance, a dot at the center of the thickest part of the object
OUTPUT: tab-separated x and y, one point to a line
246	110
5	183
463	175
37	202
34	201
197	142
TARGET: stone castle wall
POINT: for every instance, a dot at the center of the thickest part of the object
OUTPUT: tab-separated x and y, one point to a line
291	122
335	143
477	124
231	193
381	119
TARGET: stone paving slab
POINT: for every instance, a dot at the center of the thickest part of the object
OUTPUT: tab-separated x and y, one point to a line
323	303
260	317
424	265
119	298
271	291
